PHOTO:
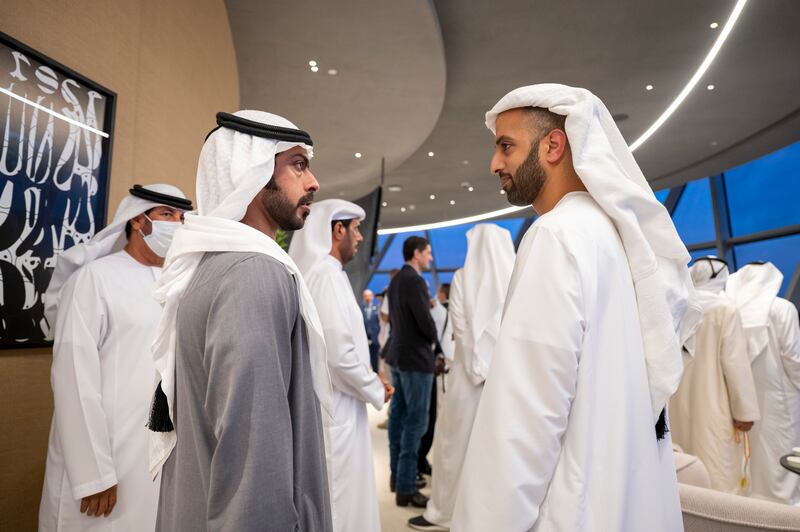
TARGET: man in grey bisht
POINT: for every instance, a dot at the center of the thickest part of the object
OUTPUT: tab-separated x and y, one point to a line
237	416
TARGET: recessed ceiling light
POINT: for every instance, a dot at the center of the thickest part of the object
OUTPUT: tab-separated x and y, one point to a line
710	87
470	188
395	188
430	154
452	202
432	196
341	193
412	207
402	209
466	161
314	69
713	25
503	192
385	204
358	155
648	88
713	142
332	71
312	63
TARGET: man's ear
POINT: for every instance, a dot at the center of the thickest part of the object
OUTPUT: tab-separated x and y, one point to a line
556	146
137	223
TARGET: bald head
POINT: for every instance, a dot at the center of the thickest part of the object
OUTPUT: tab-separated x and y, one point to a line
368	296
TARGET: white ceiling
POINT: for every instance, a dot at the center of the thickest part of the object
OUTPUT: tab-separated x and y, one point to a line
416	76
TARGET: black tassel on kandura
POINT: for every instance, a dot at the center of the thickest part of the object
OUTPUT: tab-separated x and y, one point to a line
661	425
159	413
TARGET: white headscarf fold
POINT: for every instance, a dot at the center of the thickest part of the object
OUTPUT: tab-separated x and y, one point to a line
487	273
233	168
100	245
313	242
753	288
668	311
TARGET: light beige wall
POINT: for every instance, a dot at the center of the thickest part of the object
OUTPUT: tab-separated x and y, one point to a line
172	65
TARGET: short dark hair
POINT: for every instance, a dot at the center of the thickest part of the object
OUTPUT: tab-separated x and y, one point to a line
445	287
412	244
543	121
345	223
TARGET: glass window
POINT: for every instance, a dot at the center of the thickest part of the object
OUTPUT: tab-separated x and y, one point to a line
445	277
450	243
783	252
702	253
379	283
762	194
694	217
662	194
394	255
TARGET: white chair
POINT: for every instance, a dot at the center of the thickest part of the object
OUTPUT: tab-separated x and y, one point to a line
706	510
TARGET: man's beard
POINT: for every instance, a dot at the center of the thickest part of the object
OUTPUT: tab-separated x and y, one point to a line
346	249
528	180
283	211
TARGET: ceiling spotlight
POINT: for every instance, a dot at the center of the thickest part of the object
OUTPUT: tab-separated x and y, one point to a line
402	209
713	142
312	63
358	155
710	87
395	188
470	188
432	196
384	204
465	161
430	154
503	192
412	207
713	25
314	69
332	71
452	202
648	88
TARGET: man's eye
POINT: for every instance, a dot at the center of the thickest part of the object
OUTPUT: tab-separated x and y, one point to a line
300	165
505	146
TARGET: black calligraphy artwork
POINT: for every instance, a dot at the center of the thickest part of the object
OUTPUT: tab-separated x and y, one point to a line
56	129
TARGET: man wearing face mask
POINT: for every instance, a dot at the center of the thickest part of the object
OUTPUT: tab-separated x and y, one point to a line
100	306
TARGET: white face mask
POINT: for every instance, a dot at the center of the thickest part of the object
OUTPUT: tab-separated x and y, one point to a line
160	236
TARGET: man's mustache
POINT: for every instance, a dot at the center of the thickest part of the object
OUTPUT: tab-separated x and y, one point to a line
504	175
308	199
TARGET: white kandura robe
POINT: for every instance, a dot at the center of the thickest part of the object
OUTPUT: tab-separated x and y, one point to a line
354	500
456	415
564	439
717	387
776	371
102	379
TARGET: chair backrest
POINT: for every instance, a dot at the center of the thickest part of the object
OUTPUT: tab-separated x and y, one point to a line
706	510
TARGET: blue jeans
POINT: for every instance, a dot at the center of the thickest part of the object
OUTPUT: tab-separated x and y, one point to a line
408	421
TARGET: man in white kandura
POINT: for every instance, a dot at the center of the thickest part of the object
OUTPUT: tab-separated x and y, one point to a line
104	316
477	295
773	342
570	434
716	404
329	241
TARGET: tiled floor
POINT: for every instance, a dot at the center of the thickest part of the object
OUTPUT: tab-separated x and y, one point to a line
393	518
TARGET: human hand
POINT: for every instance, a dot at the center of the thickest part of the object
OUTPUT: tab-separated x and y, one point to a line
100	503
388	392
744	426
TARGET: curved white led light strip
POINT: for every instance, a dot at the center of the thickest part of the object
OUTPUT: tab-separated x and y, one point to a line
695	79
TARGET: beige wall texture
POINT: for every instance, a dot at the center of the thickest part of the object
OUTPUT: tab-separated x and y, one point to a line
172	65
